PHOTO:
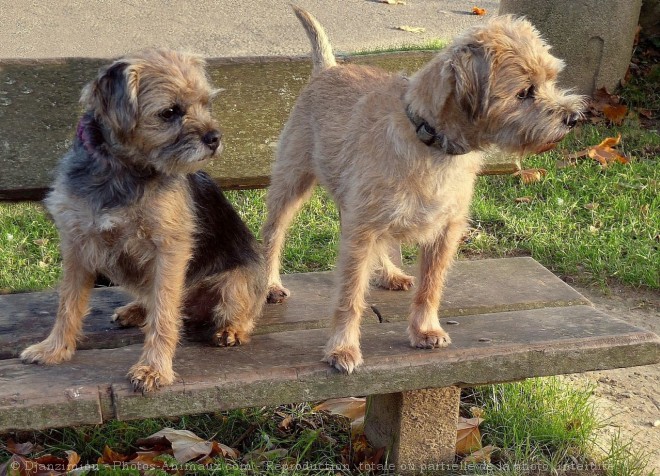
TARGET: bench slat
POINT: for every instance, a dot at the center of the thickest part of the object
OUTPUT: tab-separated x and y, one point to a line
284	367
474	287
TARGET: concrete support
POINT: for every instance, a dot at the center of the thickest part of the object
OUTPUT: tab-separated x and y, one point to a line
593	37
418	428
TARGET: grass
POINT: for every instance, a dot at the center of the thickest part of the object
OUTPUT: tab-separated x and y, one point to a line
428	45
596	225
543	421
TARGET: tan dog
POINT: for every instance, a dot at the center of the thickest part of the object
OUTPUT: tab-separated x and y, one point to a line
400	156
129	203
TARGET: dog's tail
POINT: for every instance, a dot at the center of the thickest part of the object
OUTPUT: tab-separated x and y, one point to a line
322	56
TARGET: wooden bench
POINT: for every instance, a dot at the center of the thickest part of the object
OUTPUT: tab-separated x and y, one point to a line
509	319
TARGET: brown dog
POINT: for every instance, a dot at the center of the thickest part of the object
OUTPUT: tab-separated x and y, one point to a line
400	156
130	203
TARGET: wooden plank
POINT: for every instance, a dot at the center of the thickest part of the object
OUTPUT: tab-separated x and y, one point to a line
474	287
40	99
285	367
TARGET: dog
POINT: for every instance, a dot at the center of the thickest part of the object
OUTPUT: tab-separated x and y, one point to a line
130	203
400	156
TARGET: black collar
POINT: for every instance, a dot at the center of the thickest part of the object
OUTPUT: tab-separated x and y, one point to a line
432	138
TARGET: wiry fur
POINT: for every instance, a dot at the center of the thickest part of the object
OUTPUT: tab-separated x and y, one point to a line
349	131
130	203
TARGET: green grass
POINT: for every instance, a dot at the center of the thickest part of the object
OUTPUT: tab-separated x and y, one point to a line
428	45
597	225
538	420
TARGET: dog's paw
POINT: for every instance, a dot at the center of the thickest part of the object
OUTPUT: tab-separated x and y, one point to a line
130	315
396	282
429	339
345	359
46	353
229	337
146	379
277	294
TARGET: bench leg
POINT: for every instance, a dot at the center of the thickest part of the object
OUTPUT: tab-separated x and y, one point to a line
418	428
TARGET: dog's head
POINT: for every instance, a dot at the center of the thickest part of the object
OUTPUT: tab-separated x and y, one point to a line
496	84
155	107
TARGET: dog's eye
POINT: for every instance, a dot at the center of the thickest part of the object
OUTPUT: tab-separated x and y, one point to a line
527	93
171	113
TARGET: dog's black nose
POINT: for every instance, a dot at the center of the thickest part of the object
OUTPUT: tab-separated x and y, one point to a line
571	120
212	139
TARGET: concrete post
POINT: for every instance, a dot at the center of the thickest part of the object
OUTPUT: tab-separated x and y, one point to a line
593	37
418	428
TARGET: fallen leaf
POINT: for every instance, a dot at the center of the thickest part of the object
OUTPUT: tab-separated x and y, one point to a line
480	456
72	459
111	457
477	412
411	29
351	407
591	206
224	450
468	437
615	114
186	445
285	424
19	448
17	465
518	200
478	11
531	175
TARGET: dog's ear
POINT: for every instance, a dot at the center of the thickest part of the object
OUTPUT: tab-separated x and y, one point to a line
472	74
113	97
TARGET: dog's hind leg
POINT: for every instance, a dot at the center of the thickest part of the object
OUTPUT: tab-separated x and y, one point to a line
132	314
388	275
424	327
291	185
240	301
75	289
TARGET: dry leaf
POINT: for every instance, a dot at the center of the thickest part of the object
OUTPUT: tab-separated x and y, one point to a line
73	459
111	457
477	412
480	456
591	206
468	437
411	29
615	114
518	200
478	11
19	448
285	423
531	175
350	407
604	154
185	444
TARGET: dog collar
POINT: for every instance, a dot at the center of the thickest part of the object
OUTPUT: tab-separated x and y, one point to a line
432	138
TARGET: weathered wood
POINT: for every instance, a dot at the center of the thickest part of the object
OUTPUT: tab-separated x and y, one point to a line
284	367
40	99
474	287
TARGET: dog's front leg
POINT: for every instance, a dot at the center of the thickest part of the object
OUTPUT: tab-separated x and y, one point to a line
354	266
424	328
162	323
75	288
